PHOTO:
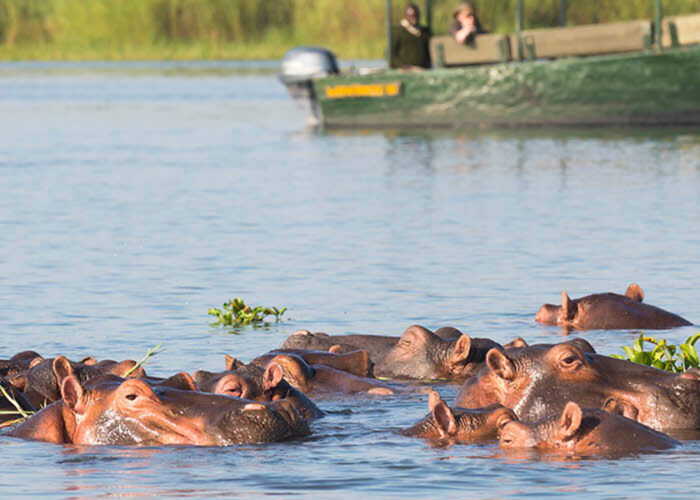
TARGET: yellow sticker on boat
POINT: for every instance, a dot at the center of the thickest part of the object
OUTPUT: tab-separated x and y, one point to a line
343	91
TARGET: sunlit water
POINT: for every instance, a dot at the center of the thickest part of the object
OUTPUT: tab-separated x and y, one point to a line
136	196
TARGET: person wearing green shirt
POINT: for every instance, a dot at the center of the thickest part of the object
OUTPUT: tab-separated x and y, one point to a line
409	41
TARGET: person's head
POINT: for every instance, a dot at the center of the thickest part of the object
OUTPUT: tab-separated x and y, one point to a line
465	13
412	14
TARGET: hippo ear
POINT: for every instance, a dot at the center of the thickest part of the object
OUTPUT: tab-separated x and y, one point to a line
273	376
570	421
568	307
230	362
444	418
35	361
72	394
182	381
433	399
635	292
336	349
500	364
460	353
88	360
516	342
62	369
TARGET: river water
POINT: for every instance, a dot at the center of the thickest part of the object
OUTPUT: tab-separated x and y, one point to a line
137	196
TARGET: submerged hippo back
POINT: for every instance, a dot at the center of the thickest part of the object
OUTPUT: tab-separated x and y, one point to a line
610	311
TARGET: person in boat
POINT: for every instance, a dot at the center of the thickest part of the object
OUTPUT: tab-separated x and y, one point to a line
410	41
466	24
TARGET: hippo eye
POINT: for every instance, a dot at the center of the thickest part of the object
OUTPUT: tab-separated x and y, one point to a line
131	397
570	361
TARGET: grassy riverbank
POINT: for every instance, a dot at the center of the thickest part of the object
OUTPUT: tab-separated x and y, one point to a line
253	29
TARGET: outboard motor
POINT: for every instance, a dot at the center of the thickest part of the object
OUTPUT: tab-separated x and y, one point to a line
300	66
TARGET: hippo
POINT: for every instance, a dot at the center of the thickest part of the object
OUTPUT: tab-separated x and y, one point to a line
322	379
110	410
257	384
40	382
537	381
460	425
609	311
418	354
584	431
18	363
354	362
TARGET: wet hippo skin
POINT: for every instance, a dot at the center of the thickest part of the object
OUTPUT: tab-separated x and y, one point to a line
317	380
460	425
538	380
257	384
609	311
110	410
418	354
40	382
356	362
584	431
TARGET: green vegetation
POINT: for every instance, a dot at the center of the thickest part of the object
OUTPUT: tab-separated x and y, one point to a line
236	313
149	354
23	414
255	29
664	356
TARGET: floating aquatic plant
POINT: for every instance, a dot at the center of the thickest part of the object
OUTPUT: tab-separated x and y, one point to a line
237	313
664	356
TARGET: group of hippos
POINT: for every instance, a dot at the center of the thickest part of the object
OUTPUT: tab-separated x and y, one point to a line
562	397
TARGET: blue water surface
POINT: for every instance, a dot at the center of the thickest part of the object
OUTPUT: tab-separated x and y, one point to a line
137	196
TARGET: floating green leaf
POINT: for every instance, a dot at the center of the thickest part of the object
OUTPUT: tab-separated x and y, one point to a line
664	356
237	313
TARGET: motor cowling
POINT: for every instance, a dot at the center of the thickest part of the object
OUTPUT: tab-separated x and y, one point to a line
306	63
300	66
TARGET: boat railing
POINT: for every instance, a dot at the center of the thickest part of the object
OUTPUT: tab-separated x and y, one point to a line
680	31
550	43
486	48
587	40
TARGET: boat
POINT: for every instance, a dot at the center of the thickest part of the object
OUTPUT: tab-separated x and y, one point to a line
643	72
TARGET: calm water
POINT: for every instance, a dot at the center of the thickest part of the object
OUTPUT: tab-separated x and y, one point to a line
135	197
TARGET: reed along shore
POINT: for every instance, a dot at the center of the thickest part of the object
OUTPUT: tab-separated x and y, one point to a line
255	29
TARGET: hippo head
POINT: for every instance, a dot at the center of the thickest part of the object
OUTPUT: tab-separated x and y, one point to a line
460	425
564	315
295	370
116	411
257	384
18	363
41	380
583	432
535	381
421	354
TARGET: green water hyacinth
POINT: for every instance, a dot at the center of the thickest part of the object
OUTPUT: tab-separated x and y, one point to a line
237	313
664	356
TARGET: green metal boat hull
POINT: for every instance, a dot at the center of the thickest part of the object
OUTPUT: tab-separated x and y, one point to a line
634	89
